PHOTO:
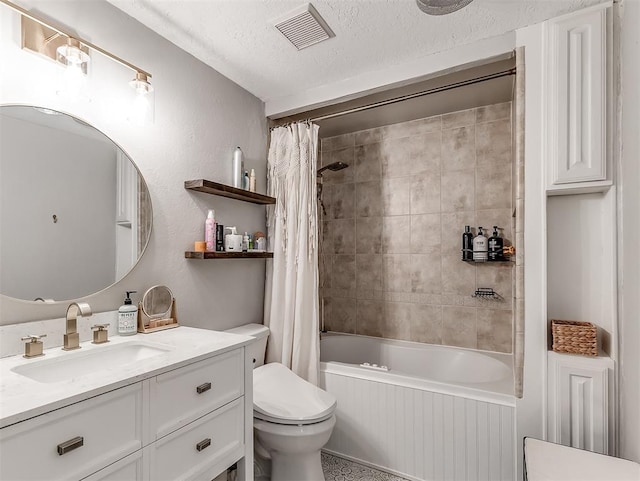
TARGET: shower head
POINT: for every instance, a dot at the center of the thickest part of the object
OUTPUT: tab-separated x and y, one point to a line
333	167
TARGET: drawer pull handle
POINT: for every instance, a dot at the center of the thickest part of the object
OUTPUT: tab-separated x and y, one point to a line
203	387
203	444
67	446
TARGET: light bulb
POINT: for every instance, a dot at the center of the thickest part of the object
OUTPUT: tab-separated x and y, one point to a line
71	53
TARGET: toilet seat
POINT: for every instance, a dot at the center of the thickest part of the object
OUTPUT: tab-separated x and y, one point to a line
281	397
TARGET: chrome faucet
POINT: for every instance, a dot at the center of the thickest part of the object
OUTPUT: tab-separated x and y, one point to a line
71	337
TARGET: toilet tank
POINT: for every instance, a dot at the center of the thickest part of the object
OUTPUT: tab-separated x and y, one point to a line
258	349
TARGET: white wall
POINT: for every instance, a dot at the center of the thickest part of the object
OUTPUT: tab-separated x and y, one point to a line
41	258
630	234
200	117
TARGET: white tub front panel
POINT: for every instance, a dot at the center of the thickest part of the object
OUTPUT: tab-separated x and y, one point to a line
421	434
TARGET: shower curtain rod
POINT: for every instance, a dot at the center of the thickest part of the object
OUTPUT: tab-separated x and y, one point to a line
463	83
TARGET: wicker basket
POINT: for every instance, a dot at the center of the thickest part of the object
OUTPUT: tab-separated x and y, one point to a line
574	337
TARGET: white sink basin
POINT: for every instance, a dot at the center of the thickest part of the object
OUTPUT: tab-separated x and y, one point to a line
78	363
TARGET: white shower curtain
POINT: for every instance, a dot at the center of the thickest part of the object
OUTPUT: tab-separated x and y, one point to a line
291	288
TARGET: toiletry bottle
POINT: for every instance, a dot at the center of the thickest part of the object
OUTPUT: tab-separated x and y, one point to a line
495	246
127	317
219	238
233	240
210	230
252	181
480	247
467	244
237	171
245	242
245	181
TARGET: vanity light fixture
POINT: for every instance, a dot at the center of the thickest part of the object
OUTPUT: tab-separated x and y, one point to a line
53	42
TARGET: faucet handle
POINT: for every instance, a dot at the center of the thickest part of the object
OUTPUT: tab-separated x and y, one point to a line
32	338
34	347
100	333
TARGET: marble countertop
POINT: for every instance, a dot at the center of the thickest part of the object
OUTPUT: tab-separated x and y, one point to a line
22	398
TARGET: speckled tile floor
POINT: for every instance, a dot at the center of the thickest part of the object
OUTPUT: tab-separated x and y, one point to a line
338	469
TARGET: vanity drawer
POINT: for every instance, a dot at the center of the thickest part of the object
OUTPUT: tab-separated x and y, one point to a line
183	395
202	449
75	441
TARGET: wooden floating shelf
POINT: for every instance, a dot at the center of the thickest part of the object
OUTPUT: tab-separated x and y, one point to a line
214	188
227	255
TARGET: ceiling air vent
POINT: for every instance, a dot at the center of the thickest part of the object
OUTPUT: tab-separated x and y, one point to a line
304	27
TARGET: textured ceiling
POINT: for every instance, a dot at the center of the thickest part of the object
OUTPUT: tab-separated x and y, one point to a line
237	37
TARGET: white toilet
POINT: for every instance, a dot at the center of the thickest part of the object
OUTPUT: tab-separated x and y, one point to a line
292	418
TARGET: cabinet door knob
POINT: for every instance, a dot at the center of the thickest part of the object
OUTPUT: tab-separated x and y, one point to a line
203	387
205	443
70	445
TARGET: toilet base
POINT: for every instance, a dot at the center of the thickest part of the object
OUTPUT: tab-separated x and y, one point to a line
294	451
289	467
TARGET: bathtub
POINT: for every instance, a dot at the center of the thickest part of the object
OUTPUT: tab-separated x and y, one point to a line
423	412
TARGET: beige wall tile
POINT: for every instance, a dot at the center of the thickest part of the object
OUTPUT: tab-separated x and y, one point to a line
494	330
425	194
326	242
370	317
459	148
411	155
461	118
368	199
340	315
493	112
493	143
425	234
369	235
344	236
396	272
426	274
500	217
325	267
458	191
343	200
396	196
397	320
452	229
412	127
396	234
337	142
426	323
369	136
459	326
499	277
368	273
343	272
493	187
458	277
368	160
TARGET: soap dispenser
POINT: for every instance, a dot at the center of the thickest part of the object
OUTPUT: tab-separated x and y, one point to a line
480	247
128	317
495	246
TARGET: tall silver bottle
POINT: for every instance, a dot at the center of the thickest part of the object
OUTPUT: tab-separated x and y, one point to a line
237	171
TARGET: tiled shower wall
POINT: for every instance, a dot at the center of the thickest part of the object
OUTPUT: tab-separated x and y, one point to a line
390	251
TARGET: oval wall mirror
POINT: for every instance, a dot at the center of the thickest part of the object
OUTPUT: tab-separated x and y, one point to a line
74	209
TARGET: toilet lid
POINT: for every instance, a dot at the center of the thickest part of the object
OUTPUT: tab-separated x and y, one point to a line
280	395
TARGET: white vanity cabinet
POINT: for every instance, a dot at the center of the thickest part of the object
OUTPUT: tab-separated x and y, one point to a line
578	106
75	441
187	423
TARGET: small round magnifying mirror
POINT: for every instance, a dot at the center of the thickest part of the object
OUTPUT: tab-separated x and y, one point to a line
157	302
